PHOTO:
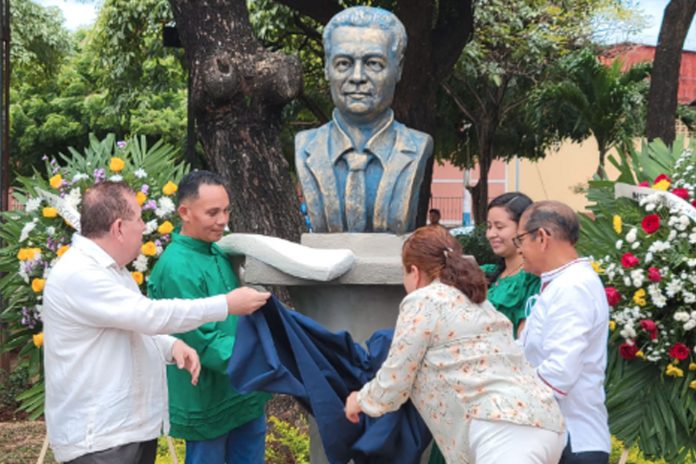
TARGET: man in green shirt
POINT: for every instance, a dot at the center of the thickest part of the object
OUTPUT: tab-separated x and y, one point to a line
219	425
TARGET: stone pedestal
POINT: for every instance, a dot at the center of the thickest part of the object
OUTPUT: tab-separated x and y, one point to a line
361	301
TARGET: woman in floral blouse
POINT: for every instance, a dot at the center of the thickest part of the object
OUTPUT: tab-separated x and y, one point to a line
453	355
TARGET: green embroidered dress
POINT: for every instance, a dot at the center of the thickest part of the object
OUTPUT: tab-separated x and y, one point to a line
191	268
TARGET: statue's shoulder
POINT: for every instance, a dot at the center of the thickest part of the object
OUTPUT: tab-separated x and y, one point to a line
308	137
415	140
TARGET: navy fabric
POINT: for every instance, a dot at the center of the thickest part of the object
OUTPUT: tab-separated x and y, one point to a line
281	351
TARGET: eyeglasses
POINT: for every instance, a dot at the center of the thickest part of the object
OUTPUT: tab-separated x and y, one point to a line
517	240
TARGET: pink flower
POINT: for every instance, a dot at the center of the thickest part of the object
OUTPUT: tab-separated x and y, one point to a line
613	296
645	183
681	193
679	351
628	260
650	223
662	177
654	274
650	327
628	351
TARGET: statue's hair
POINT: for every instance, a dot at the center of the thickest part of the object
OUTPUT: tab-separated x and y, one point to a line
367	16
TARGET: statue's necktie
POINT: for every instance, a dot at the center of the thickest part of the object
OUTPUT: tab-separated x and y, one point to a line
356	210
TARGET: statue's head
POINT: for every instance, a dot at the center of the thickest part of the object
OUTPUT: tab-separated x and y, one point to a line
364	53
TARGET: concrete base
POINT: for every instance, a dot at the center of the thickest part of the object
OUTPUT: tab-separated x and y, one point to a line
361	301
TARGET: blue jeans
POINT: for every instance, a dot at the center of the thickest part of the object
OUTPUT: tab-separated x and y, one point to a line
243	445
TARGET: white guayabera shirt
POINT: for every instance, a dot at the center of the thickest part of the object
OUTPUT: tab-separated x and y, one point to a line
104	358
565	340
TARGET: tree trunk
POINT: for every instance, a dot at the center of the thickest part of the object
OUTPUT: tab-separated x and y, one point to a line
664	78
601	173
238	90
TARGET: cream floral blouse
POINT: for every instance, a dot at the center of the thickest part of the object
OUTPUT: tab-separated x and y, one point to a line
457	361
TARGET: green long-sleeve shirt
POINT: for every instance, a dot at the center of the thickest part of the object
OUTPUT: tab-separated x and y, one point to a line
191	268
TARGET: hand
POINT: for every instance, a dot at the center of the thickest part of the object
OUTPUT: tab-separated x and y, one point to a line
187	358
352	408
243	301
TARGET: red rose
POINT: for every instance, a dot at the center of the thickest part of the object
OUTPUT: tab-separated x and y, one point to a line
613	296
681	193
628	260
650	327
650	223
645	183
679	351
654	274
662	177
628	351
693	203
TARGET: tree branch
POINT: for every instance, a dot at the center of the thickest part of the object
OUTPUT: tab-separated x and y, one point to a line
454	28
457	101
319	10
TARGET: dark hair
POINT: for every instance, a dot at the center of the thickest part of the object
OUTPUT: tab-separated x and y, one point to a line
557	218
439	255
101	205
191	184
514	204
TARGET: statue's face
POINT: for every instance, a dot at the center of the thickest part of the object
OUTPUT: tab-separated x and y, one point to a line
362	72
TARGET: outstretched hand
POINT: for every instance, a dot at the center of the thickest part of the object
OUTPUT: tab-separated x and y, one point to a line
353	408
243	301
186	357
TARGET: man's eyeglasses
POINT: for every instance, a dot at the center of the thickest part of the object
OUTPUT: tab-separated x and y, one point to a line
517	240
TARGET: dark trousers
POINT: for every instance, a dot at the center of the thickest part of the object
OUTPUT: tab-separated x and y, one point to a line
586	457
143	452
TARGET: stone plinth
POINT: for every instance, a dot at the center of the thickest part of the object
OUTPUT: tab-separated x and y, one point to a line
361	301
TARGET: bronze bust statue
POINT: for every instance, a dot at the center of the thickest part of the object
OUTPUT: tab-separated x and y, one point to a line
362	171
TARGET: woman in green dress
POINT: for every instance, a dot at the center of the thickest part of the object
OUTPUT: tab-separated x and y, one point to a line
510	286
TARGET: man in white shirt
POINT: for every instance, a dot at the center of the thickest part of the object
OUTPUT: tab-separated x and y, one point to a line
565	337
104	348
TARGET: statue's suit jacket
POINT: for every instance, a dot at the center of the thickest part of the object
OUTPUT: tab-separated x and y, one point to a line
396	201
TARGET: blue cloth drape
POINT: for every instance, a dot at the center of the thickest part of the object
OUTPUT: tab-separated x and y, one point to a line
281	351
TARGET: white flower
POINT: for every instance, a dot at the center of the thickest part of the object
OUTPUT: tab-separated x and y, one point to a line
674	287
165	206
32	205
672	235
140	263
628	332
74	198
140	173
116	178
150	226
638	277
50	230
691	262
690	324
632	235
627	281
79	176
649	207
619	244
681	316
23	274
26	230
635	245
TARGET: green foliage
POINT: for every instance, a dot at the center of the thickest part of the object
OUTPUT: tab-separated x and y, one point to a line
116	78
476	244
11	385
284	440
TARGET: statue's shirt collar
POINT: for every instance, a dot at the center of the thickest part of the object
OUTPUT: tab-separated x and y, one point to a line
380	144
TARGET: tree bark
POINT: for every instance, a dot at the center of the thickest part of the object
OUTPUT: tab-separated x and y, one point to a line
664	81
238	90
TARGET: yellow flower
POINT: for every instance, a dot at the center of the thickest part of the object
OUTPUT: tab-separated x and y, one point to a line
169	188
56	181
38	339
38	284
662	185
640	354
692	384
597	267
24	254
612	325
639	297
149	248
62	250
165	228
673	371
692	366
617	224
49	212
140	197
138	277
116	164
